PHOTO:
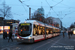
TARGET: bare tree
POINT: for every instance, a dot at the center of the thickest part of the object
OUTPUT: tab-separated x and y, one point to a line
5	11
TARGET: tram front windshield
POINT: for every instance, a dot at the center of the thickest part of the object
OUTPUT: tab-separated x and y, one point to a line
24	29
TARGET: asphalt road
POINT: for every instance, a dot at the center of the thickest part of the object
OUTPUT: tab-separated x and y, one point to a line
56	43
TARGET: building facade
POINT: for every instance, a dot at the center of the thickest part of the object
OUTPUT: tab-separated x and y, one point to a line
54	22
39	11
7	24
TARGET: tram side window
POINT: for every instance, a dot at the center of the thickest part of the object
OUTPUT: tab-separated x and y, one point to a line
47	31
56	31
43	32
50	31
53	30
34	30
38	30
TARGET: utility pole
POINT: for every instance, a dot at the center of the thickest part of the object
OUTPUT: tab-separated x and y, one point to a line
29	10
29	13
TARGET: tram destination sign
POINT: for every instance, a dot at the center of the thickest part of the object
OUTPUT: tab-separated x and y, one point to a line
23	24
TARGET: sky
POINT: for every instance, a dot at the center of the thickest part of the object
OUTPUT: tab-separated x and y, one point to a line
62	9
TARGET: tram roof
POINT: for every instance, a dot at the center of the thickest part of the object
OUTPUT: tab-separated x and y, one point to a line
33	21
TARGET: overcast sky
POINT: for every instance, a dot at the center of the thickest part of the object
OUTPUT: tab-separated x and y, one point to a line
63	9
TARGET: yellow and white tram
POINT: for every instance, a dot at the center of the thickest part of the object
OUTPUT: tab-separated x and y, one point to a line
33	31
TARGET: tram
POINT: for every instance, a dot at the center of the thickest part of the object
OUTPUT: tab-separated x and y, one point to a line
33	31
73	29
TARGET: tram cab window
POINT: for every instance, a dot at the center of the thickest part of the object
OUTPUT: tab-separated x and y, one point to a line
24	29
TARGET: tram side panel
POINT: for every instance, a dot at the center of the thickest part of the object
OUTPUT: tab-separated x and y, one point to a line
48	33
39	33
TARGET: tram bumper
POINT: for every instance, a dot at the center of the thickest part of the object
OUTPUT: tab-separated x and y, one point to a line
25	40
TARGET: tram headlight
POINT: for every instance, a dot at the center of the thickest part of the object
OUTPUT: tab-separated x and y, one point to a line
17	37
74	32
29	37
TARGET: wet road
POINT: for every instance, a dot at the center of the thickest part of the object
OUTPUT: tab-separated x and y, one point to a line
56	43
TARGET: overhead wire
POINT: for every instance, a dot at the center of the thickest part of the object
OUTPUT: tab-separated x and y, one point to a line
69	13
47	2
28	6
23	5
18	14
55	12
58	3
68	8
51	7
65	9
65	5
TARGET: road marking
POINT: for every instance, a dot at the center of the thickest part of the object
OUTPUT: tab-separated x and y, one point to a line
44	44
62	44
55	43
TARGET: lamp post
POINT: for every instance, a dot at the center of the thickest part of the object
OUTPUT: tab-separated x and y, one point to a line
29	13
